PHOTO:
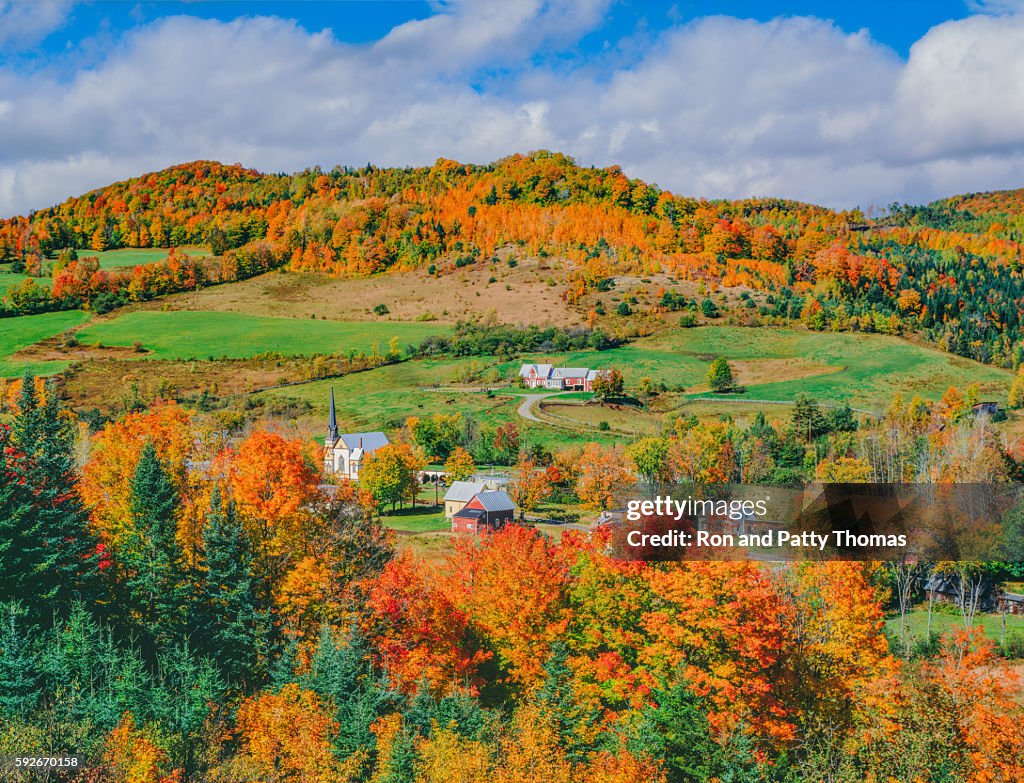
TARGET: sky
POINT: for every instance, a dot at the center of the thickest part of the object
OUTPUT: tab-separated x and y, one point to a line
841	104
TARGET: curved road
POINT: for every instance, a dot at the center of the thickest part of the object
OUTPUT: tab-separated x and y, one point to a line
525	408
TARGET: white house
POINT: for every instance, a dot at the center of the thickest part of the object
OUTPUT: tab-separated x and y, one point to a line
344	452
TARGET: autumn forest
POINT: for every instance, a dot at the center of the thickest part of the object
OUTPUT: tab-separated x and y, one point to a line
186	594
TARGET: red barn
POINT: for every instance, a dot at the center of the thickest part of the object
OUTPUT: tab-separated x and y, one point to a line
487	511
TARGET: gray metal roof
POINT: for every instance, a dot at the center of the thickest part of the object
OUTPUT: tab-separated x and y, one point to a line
496	500
464	490
570	372
367	441
543	370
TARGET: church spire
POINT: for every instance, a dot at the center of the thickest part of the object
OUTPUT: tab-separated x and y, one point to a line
332	421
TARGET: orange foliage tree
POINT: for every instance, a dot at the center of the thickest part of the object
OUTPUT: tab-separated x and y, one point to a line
421	636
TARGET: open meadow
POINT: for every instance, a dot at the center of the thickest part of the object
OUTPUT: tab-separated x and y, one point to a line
23	331
203	335
134	256
864	370
777	364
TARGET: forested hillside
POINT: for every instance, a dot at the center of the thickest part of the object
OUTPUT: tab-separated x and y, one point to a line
950	270
185	607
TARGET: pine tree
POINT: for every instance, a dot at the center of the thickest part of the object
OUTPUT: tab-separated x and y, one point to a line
48	555
674	728
188	685
808	420
234	628
559	703
19	692
154	576
342	671
401	762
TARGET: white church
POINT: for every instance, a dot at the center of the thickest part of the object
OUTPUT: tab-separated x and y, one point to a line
344	452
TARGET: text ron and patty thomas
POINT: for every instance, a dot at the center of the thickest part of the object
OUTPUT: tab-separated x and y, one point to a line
666	507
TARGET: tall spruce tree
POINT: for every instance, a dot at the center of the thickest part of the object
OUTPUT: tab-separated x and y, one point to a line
19	679
154	576
675	729
48	555
559	703
342	671
234	620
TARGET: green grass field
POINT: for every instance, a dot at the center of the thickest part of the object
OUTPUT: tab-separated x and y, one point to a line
8	279
865	370
417	520
133	256
383	398
917	623
23	331
198	335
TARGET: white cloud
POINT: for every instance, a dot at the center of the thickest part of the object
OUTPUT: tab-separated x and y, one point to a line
718	107
998	7
26	22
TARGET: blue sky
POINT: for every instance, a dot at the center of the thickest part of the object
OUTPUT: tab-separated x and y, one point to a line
896	24
851	104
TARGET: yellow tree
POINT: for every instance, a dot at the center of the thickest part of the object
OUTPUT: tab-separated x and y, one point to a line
460	465
286	736
602	474
99	240
1016	396
843	470
390	473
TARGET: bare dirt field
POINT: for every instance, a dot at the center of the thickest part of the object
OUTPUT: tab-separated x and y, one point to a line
521	294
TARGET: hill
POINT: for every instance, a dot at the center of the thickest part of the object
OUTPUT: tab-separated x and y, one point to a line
949	271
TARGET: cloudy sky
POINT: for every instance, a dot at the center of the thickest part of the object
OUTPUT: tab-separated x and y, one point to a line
869	103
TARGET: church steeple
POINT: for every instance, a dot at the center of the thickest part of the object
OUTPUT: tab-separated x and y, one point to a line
332	421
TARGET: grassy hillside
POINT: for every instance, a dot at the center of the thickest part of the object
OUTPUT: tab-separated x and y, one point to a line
864	370
202	335
383	398
133	256
21	332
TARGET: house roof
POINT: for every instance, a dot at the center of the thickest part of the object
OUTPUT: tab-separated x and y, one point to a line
496	500
543	370
592	374
367	441
463	491
570	372
469	513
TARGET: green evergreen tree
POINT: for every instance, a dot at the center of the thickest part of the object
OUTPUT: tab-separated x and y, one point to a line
234	621
458	712
19	680
153	573
48	555
808	420
674	728
841	419
402	761
342	671
188	686
558	702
